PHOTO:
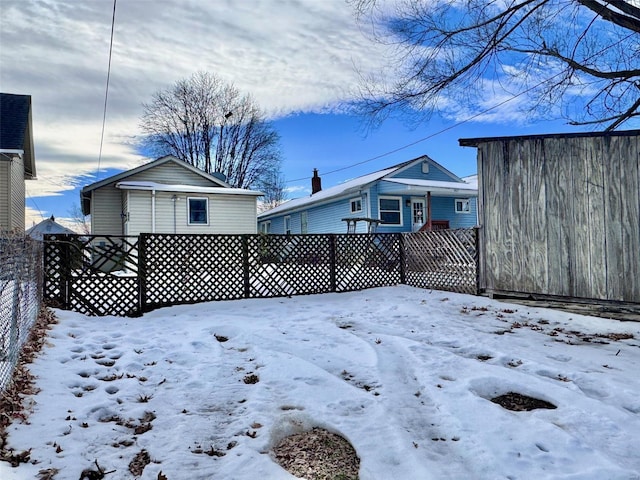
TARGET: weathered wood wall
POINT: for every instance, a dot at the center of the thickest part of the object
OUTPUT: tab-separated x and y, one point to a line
561	215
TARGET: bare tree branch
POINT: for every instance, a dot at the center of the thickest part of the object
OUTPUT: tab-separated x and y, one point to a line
211	126
574	58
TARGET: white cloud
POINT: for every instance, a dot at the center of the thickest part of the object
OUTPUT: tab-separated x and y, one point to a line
291	56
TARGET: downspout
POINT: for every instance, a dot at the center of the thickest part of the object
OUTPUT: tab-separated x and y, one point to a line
153	211
174	199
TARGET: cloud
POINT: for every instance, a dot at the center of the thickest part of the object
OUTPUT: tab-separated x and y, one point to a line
292	56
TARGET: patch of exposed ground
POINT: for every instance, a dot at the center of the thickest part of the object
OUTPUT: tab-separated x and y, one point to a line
318	455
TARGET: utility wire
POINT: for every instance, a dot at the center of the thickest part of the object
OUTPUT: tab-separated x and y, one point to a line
106	92
457	124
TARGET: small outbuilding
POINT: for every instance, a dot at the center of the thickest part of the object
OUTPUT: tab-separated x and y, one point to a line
168	195
559	215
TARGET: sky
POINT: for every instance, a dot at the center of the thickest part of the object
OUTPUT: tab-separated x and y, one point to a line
406	375
300	59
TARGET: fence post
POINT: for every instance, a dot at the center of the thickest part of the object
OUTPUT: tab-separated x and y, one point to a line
65	270
476	257
142	272
332	262
403	273
245	265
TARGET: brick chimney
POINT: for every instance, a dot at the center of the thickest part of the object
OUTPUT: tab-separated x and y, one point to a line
316	182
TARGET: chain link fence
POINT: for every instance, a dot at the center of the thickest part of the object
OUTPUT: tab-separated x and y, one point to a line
20	297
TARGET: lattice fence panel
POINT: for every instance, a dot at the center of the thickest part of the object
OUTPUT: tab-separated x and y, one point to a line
95	275
53	290
367	261
289	265
194	268
104	294
442	260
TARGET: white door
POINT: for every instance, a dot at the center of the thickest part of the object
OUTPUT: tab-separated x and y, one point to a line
417	213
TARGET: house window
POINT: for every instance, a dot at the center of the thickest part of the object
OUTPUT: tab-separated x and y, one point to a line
425	167
198	211
390	210
356	205
287	224
304	222
265	227
462	205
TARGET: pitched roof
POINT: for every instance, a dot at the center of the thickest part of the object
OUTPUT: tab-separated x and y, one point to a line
48	226
15	128
356	184
85	193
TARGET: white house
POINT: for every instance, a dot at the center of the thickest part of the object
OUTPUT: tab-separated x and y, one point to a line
168	195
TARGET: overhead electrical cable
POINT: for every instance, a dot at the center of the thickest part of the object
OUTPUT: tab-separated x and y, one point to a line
106	92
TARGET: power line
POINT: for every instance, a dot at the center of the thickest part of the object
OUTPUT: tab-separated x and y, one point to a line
457	124
106	92
439	132
34	202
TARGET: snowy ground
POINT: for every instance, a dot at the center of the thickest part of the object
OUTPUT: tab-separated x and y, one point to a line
404	374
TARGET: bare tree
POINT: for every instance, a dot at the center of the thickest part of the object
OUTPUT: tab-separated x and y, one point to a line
273	185
576	59
210	125
81	224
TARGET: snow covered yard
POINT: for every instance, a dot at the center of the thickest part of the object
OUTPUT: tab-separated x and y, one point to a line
406	375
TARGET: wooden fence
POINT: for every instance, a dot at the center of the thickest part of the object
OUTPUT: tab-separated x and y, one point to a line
127	276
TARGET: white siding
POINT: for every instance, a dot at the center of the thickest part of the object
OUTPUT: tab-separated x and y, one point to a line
228	214
140	220
171	174
106	206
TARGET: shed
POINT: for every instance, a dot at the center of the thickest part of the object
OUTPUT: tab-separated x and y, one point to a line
559	215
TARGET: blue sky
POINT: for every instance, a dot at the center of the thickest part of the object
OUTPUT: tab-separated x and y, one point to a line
299	60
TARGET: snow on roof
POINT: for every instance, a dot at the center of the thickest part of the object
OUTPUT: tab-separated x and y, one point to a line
453	187
162	187
358	183
350	185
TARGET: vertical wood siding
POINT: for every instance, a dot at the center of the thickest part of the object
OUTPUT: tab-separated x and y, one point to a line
561	216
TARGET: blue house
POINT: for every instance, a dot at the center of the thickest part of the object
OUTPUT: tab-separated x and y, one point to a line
419	194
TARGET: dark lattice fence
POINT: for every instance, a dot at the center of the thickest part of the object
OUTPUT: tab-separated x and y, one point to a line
95	275
442	260
128	276
367	261
191	268
20	296
285	265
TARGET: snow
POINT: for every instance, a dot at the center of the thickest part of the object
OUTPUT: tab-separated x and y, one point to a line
406	375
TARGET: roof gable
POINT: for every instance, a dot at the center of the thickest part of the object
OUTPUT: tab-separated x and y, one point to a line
160	161
85	194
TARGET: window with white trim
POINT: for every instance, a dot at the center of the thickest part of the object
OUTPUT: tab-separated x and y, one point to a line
356	205
265	227
390	209
463	205
198	211
304	222
287	224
